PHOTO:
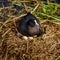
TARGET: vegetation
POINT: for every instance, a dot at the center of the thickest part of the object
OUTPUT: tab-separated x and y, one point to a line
45	47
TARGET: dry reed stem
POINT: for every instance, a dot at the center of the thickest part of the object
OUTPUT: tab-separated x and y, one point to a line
6	32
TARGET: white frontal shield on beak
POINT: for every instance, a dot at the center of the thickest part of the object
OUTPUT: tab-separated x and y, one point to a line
36	23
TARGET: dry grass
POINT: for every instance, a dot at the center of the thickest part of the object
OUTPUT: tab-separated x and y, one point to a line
46	47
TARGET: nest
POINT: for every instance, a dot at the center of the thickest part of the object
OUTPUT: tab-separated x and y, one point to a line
45	47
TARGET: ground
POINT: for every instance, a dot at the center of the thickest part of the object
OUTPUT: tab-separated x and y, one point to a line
45	47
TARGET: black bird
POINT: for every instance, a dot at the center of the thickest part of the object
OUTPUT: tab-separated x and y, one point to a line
30	26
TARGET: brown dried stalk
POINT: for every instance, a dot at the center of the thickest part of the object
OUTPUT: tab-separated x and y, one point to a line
38	4
6	32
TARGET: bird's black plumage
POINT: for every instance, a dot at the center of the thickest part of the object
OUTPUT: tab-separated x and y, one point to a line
29	25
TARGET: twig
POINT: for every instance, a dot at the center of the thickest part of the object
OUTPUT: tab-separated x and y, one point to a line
14	19
5	8
24	1
38	4
6	32
58	58
35	8
49	16
25	6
